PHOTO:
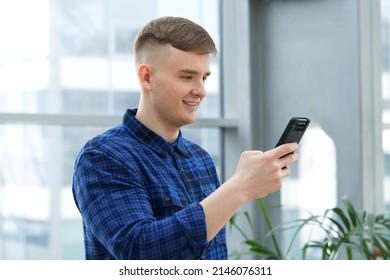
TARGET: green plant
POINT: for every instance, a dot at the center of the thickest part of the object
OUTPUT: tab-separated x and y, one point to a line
361	234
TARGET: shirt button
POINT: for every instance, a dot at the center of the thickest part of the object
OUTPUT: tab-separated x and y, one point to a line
167	198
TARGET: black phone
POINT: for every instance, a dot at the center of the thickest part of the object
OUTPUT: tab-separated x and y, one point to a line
294	130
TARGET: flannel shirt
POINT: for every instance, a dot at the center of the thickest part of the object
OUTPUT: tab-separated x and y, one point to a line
139	195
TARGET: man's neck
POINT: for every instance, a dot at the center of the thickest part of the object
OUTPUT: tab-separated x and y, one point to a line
157	126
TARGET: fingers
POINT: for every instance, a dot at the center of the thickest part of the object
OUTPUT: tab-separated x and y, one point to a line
284	154
285	149
260	173
288	159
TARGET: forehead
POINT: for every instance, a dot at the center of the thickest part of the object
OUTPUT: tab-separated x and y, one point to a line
178	60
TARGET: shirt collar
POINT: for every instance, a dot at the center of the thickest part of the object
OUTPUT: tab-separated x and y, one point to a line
151	139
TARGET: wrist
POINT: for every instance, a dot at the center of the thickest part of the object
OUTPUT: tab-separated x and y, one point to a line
236	191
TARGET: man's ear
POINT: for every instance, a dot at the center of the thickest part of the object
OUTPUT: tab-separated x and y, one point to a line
144	75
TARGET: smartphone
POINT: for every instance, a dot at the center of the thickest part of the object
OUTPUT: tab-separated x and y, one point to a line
294	130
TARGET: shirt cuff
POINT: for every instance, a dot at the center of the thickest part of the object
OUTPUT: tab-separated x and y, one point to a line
193	223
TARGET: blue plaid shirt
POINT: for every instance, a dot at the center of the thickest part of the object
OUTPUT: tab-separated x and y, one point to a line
139	196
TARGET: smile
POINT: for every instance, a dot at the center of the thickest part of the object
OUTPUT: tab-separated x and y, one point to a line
190	103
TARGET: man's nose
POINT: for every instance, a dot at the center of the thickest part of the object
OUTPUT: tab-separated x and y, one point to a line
199	90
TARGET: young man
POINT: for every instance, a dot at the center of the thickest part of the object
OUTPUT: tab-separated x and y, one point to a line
145	192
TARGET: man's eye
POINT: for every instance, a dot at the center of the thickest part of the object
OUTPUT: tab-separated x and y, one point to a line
204	79
187	77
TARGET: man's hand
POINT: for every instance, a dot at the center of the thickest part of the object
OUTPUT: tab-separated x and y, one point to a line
257	175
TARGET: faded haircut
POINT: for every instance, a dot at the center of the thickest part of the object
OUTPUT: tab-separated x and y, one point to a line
180	33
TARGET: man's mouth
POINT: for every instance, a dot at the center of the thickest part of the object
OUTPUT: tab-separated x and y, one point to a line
190	103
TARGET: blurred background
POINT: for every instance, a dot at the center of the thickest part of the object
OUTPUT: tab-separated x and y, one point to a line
67	74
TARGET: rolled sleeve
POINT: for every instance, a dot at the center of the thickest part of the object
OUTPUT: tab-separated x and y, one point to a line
193	223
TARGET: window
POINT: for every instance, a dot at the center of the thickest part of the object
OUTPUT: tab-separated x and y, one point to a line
67	74
385	8
82	29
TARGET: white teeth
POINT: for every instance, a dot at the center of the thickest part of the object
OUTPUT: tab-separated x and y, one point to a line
190	103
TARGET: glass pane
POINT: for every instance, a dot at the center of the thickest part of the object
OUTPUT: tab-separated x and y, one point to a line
36	204
82	27
385	6
85	102
124	100
312	188
385	9
124	38
24	182
386	151
55	59
24	52
71	57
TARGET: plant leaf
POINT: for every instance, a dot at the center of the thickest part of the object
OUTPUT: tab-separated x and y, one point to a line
342	216
351	211
261	250
269	224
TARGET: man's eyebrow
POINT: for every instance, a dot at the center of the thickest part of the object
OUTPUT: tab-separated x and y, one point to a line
190	71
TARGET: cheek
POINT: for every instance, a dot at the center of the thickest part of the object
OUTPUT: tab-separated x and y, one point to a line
169	90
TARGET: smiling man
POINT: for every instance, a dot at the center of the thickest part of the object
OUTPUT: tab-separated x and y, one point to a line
145	192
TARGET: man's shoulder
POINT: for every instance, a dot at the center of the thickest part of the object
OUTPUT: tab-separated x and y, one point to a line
114	141
116	135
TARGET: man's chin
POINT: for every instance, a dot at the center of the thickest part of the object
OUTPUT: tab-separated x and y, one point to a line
188	121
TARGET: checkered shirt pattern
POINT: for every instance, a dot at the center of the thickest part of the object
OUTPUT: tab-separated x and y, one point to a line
139	196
